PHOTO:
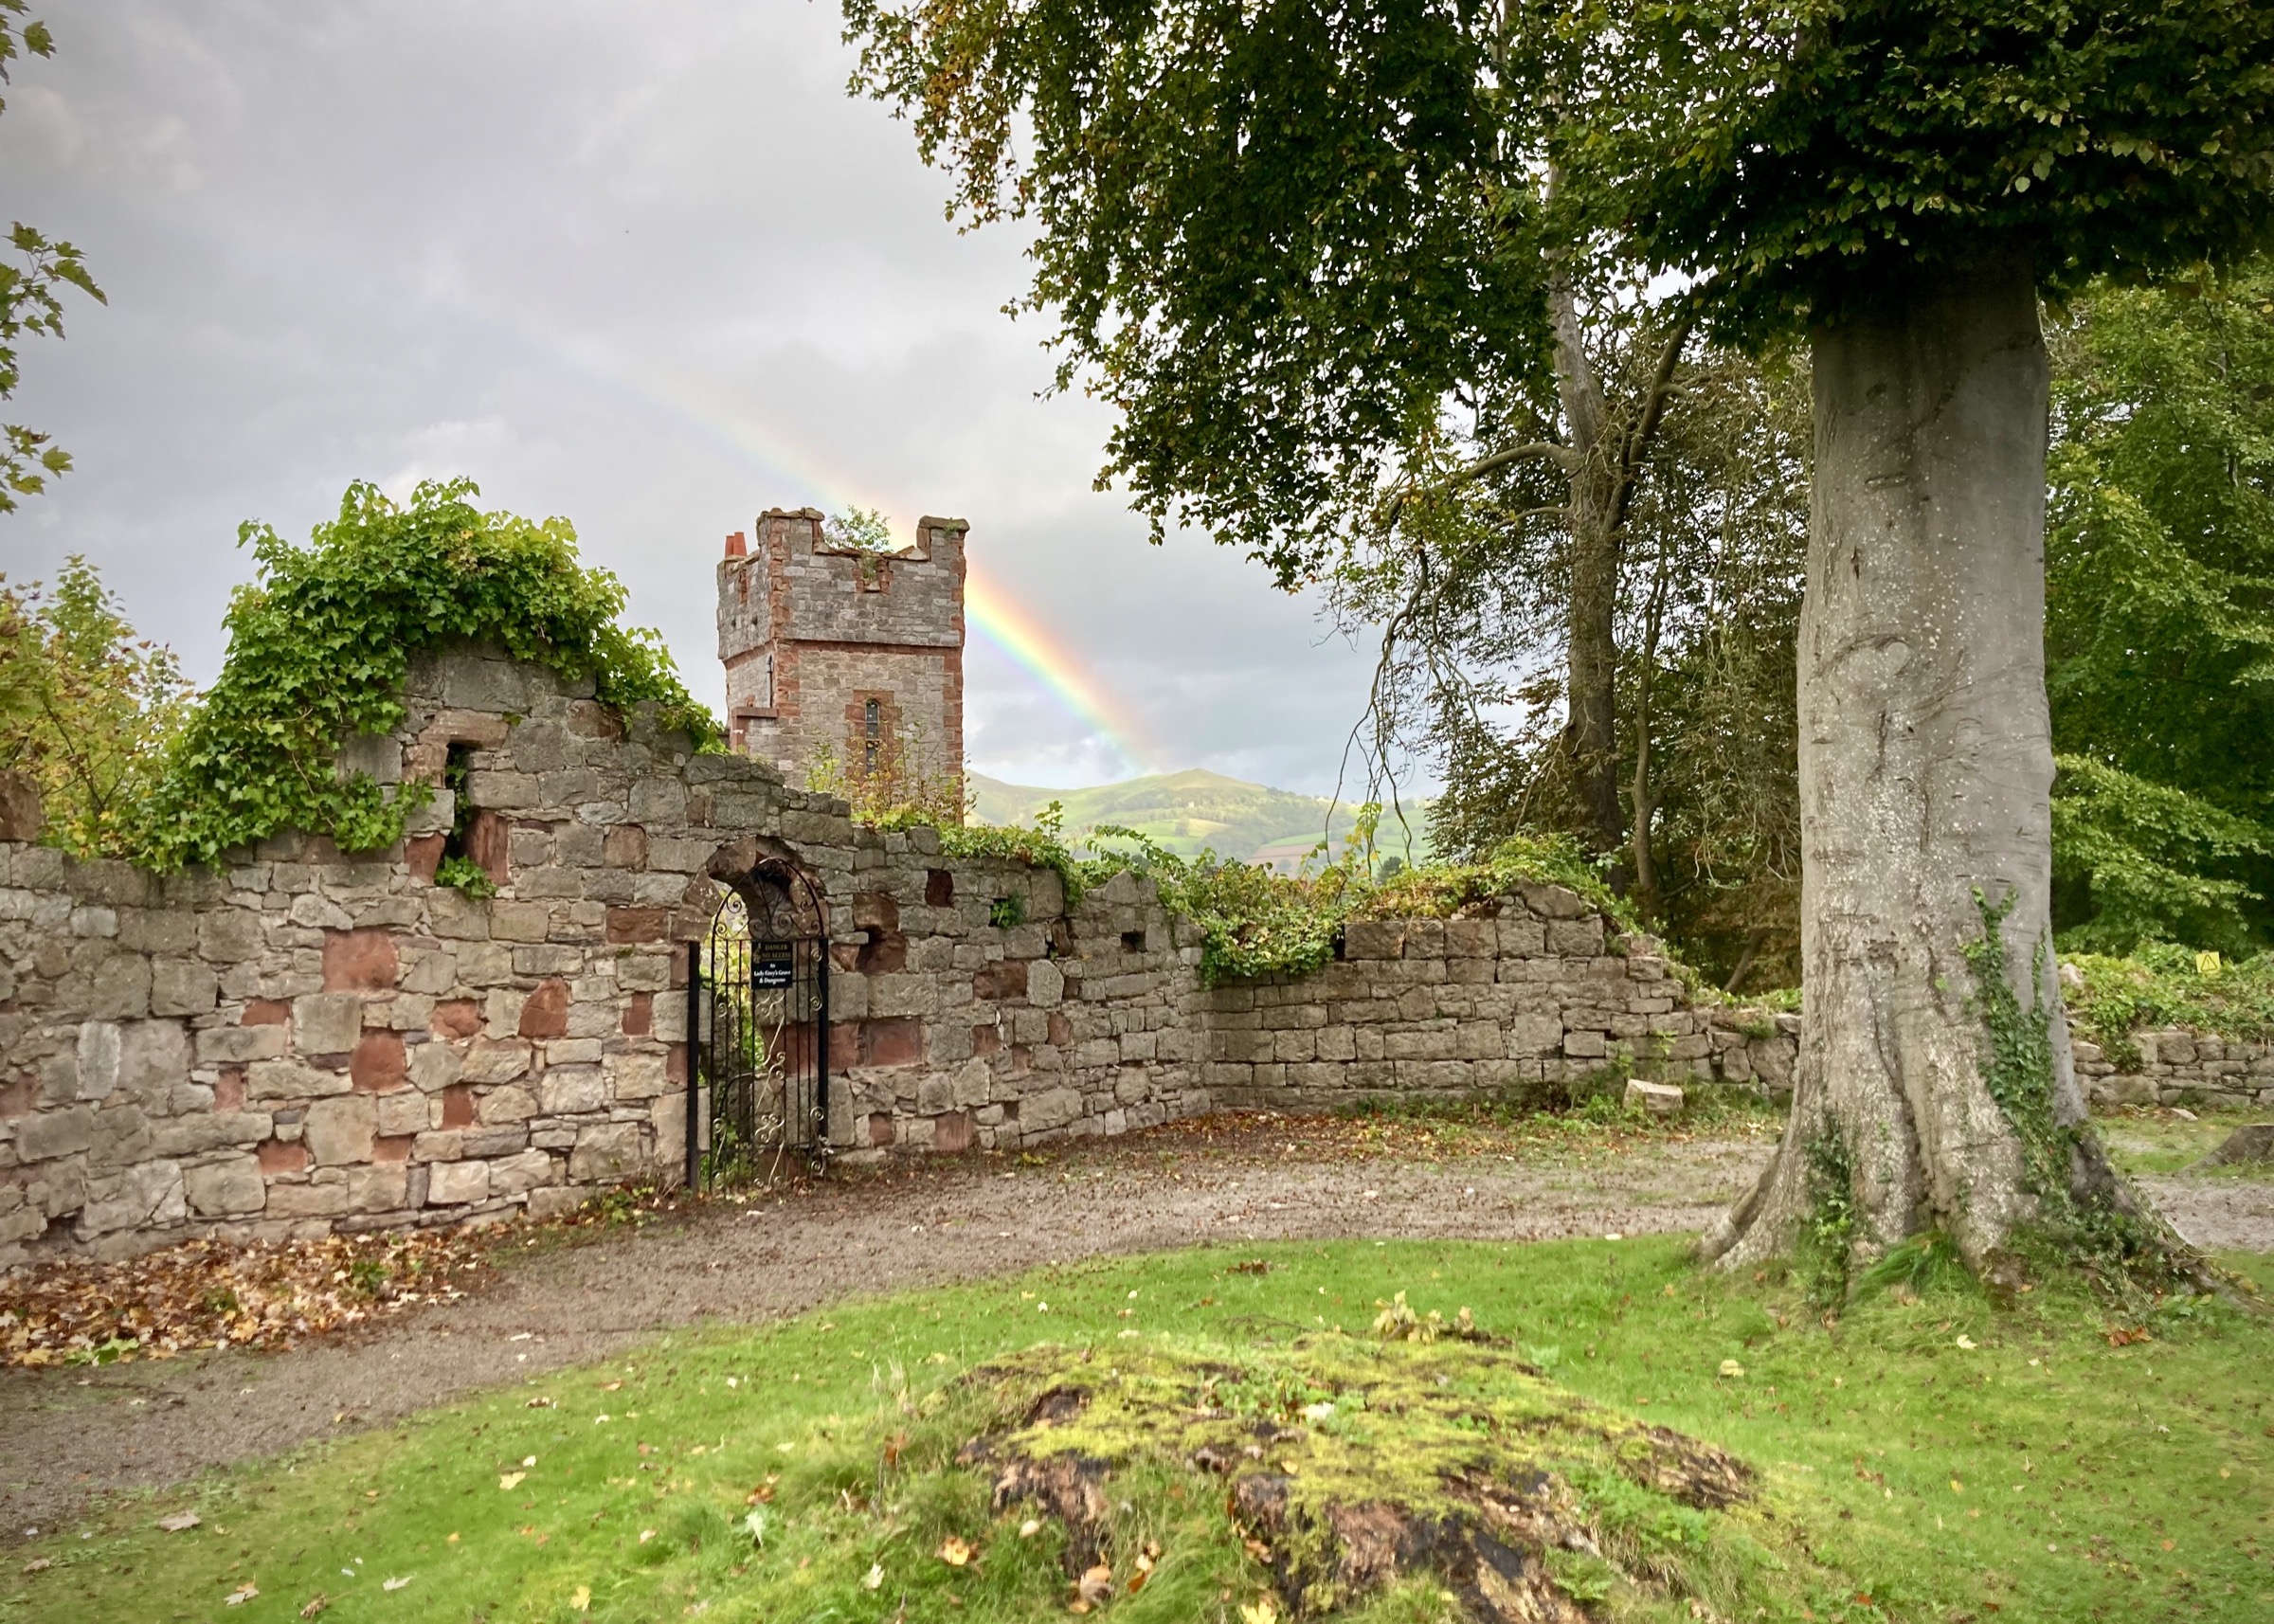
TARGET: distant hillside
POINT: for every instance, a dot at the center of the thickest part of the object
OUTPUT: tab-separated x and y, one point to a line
1183	811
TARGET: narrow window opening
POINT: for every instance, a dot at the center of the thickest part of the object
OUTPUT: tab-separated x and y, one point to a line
1132	941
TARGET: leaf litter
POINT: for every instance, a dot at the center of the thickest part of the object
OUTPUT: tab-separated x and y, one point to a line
212	1292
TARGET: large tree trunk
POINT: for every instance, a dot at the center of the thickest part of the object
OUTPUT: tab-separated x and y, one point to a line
1926	764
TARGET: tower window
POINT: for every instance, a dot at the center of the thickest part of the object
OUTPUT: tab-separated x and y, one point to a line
871	723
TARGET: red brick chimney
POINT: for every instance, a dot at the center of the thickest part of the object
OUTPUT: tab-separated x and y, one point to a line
738	544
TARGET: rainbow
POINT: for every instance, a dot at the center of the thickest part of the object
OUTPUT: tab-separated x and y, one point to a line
1013	631
1001	621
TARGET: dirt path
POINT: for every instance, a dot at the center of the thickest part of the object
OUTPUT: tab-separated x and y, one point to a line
72	1436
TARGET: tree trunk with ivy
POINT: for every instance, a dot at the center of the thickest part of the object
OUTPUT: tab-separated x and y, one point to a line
1935	1089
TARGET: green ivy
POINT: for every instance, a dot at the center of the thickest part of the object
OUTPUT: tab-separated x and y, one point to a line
2116	1246
320	643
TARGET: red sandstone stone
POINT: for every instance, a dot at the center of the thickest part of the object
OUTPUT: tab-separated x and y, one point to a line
546	1013
1004	978
488	845
19	1095
423	854
458	1107
952	1132
627	924
881	1128
986	1040
393	1147
639	1015
891	1042
624	846
674	1064
1061	1030
377	1064
264	1012
456	1017
359	961
228	1088
277	1156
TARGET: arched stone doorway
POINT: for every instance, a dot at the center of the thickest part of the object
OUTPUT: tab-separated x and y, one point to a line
757	1021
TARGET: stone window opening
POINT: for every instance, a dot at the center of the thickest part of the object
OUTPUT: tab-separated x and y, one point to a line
1132	941
872	727
475	835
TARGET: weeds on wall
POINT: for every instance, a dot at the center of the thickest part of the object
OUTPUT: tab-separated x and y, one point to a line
319	645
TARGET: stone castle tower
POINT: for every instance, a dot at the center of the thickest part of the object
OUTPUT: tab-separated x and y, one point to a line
835	651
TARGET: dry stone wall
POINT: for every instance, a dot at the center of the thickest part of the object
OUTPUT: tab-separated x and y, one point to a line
1530	998
306	1039
2178	1067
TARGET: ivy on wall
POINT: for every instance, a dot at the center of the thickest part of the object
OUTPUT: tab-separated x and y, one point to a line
320	643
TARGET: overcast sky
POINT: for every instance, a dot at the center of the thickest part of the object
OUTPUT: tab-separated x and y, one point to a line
646	266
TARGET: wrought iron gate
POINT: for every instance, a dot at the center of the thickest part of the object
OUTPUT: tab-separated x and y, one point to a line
758	1032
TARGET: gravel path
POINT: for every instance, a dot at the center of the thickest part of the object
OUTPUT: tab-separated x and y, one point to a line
73	1438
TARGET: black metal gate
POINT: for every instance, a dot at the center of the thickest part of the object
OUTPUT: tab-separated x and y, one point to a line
758	1032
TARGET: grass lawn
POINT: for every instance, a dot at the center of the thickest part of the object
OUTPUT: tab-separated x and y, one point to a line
1936	1459
2150	1139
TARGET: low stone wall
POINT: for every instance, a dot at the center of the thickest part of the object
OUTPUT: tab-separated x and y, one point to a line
2178	1067
1533	996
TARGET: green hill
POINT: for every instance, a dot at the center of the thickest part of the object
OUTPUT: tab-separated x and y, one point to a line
1183	811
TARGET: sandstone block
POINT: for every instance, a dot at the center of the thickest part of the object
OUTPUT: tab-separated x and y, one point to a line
53	1133
359	961
1659	1099
221	1189
519	1174
182	986
433	1066
605	1151
327	1023
456	1183
564	1091
339	1130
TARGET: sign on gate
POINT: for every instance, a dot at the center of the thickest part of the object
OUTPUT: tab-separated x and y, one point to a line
774	965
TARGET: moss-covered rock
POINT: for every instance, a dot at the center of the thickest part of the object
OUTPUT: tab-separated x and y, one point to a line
1346	1462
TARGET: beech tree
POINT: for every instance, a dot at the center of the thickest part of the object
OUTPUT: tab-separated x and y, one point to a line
1278	234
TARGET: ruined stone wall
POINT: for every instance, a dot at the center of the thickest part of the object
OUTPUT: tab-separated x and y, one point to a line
1528	1000
305	1040
2178	1067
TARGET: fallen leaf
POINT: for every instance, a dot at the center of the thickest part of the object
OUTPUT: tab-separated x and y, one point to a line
452	1539
38	1565
1261	1613
511	1479
1731	1367
1965	1342
955	1552
1095	1586
1029	1528
395	1583
538	1404
580	1599
244	1592
873	1579
314	1605
610	1386
645	1535
181	1521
